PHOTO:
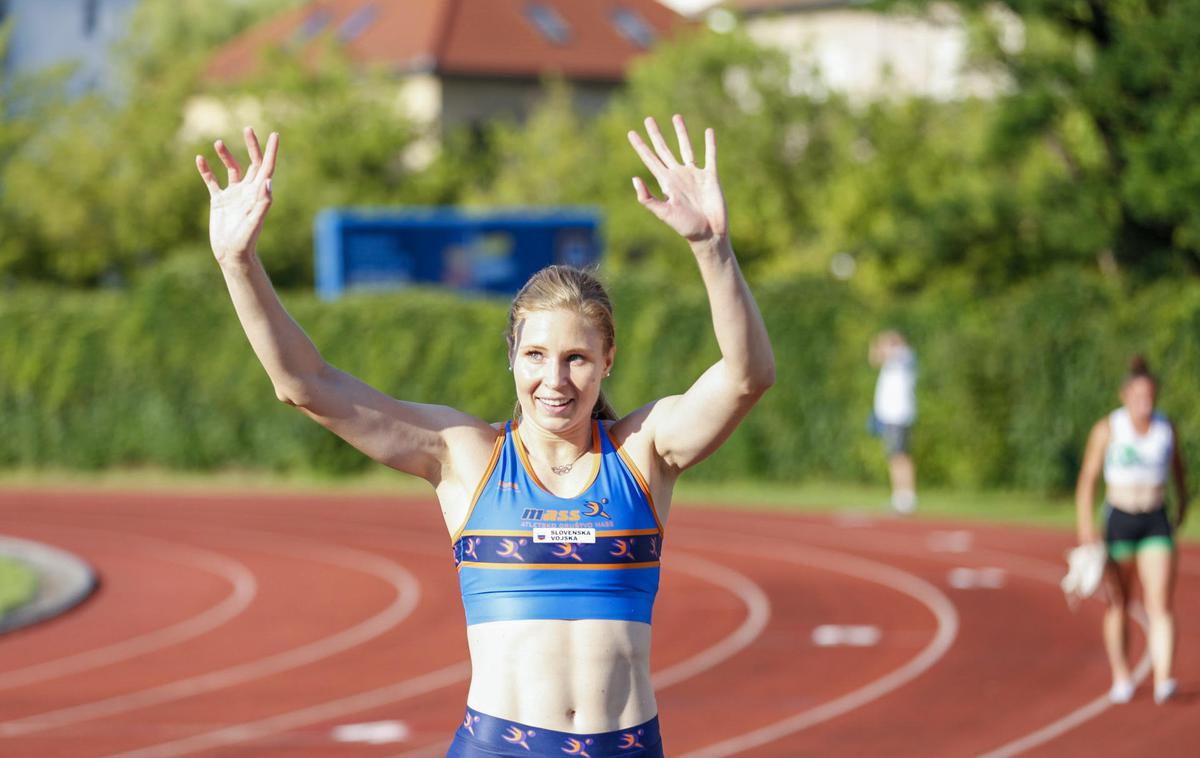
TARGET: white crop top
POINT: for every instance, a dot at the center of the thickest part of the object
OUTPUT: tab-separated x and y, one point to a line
1137	459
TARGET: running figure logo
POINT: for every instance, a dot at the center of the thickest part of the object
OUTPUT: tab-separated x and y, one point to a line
629	740
622	549
517	736
469	545
469	723
567	550
595	509
508	549
575	747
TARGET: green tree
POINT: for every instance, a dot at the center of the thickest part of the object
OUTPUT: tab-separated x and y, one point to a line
1112	89
100	187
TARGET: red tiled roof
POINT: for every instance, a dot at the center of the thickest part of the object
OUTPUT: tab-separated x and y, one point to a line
467	37
772	6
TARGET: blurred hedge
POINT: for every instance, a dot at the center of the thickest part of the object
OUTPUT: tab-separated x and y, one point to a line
162	376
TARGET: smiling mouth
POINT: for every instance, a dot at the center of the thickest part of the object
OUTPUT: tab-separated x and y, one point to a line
558	403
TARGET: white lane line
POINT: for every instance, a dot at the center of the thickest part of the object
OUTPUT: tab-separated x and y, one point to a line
950	541
967	578
371	732
758	613
407	594
1032	568
878	573
418	685
244	589
846	635
1077	717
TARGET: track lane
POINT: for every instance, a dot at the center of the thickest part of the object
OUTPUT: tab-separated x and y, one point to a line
983	664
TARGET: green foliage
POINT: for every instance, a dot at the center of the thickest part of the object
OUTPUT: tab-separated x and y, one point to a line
18	583
1113	89
1009	386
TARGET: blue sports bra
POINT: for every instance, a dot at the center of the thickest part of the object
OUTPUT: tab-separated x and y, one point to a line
525	553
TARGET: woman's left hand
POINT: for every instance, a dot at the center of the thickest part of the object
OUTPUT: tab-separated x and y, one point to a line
694	205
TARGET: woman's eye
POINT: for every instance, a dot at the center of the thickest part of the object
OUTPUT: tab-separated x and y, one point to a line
576	358
534	355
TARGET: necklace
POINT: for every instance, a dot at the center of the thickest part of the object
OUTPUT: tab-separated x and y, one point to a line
566	467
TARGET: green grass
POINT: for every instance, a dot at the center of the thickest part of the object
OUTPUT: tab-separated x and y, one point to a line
814	497
18	582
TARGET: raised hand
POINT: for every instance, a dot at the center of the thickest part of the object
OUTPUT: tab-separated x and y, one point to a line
237	212
694	205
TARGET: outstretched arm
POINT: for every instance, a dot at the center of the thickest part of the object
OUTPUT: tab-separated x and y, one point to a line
406	436
689	427
1085	487
1179	474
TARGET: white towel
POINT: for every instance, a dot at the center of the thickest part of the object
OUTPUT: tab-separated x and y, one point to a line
1085	569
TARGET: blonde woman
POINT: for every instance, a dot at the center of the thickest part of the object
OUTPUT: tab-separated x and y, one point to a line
556	516
1138	450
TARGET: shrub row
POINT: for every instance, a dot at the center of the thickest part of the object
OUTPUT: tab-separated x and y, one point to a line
161	375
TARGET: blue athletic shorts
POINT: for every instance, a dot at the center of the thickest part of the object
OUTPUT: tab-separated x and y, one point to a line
895	438
1127	534
482	736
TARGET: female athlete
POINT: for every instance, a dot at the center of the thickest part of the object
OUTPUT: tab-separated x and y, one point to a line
1137	448
556	517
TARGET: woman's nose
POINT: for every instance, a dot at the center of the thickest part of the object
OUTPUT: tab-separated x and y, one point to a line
556	374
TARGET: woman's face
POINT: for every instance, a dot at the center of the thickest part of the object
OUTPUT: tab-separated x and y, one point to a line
1138	398
558	361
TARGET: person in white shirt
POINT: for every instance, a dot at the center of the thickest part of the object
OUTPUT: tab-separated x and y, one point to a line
1138	450
895	411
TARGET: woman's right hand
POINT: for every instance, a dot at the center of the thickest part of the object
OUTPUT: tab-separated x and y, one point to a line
237	212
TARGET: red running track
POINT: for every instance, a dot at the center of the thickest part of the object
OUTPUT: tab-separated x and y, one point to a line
265	625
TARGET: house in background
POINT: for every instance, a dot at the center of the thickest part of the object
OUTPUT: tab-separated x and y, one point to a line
456	62
46	33
864	53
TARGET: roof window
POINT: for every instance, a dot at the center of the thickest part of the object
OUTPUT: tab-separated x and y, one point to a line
633	27
312	26
548	23
357	22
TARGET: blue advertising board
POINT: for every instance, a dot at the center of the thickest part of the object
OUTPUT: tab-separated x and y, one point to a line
492	251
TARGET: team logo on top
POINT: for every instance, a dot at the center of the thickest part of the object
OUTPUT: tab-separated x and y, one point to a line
540	514
509	548
1126	455
591	509
594	509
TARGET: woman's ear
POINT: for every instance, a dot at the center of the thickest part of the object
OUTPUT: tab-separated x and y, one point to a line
608	360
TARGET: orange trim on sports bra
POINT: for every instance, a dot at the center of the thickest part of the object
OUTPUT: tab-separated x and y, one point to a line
529	532
637	474
523	454
558	566
497	446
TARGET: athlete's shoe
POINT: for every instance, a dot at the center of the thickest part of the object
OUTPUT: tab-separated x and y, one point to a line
1121	691
904	503
1164	691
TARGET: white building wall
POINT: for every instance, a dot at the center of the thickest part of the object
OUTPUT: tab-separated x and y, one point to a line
50	32
869	55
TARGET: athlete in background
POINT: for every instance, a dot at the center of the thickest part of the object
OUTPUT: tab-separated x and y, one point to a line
895	412
1138	450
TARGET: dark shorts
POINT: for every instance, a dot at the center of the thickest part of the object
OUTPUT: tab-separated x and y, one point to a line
482	736
895	438
1126	534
